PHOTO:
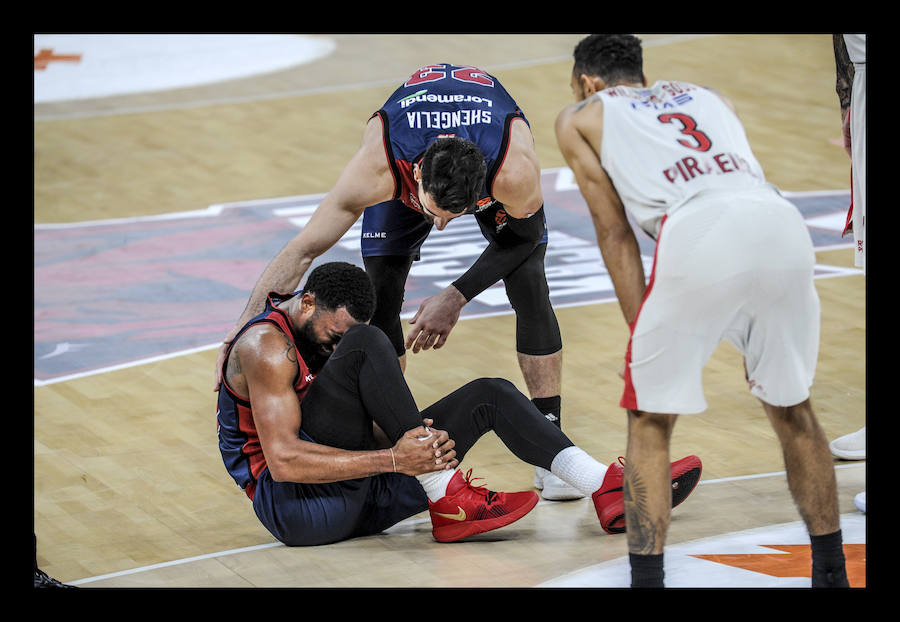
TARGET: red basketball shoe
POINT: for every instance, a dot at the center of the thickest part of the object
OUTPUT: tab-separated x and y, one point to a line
610	504
466	509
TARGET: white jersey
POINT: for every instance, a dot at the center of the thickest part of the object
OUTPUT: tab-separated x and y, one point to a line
664	144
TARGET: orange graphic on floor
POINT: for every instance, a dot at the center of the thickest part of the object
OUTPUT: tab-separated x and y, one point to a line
45	56
797	562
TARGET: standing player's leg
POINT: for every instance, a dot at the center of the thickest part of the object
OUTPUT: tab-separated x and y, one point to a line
391	237
539	353
811	480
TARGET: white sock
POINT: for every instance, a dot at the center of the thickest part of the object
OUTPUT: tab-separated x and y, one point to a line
576	468
436	482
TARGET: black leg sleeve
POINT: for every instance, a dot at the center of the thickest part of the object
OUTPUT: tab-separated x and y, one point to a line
388	274
496	404
537	329
362	382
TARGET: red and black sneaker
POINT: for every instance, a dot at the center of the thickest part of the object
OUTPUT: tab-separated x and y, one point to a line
467	510
610	504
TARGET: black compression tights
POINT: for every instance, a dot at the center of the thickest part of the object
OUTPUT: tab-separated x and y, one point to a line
362	382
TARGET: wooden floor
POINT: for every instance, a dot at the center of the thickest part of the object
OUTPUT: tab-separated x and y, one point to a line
127	474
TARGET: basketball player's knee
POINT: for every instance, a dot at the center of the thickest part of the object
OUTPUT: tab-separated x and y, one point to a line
498	392
796	423
537	329
656	424
365	337
526	286
491	386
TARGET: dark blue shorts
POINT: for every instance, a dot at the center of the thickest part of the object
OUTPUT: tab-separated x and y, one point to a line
312	514
392	228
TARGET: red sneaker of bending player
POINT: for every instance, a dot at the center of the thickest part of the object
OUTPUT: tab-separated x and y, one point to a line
609	501
466	509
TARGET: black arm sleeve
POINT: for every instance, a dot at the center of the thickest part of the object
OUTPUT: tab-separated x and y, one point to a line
503	254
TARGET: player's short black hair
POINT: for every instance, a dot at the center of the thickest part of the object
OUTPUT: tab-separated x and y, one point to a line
612	58
340	284
453	171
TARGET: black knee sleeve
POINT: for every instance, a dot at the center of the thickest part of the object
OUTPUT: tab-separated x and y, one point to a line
388	274
537	329
362	382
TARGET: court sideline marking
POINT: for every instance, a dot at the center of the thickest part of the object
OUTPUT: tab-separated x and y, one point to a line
407	522
337	88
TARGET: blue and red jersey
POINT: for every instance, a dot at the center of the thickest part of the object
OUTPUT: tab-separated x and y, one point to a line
238	439
446	100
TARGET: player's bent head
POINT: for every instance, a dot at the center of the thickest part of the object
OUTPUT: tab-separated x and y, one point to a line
453	171
612	58
340	284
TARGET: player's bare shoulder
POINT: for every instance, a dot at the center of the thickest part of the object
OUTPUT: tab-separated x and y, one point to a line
581	115
367	179
372	148
579	124
518	182
262	351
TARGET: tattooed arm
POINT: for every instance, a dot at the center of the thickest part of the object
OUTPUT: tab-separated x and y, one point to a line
843	85
263	366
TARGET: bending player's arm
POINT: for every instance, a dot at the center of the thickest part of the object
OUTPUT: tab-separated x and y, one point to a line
518	187
578	132
366	180
269	366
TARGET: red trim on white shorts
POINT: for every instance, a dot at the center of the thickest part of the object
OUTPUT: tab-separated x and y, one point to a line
629	399
848	226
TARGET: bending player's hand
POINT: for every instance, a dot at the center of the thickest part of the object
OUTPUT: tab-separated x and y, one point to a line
436	317
424	450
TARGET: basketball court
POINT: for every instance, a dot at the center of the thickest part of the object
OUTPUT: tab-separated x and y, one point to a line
169	169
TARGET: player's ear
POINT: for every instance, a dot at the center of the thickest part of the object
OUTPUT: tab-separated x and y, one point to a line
307	302
591	85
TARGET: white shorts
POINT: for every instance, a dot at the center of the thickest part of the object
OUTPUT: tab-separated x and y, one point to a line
858	164
736	266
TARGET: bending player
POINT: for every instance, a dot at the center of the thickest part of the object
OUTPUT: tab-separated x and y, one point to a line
733	261
449	141
318	426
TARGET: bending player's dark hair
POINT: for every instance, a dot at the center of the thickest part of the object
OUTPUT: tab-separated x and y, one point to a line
453	171
339	284
612	58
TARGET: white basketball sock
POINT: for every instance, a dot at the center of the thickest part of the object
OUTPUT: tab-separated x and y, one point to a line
435	483
579	470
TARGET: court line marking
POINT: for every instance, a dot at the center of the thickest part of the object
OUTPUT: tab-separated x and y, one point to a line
407	522
217	209
224	101
842	272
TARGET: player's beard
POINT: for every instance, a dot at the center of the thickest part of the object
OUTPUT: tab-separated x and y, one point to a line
309	349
